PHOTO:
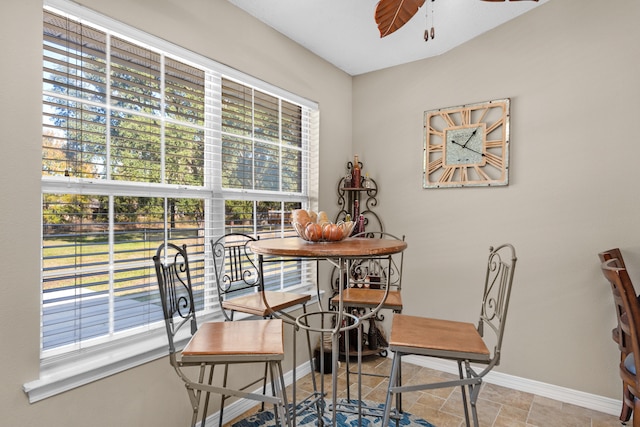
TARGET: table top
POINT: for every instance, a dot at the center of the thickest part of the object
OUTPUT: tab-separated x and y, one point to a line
351	247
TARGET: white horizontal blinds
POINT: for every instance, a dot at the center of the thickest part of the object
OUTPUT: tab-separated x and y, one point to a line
142	147
264	141
266	126
136	98
138	228
293	132
129	116
185	130
237	126
75	282
74	87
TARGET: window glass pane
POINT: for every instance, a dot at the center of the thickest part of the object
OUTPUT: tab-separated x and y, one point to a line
75	267
74	132
237	157
135	77
74	59
74	139
269	218
266	117
184	155
291	124
267	163
135	148
291	170
84	286
237	116
138	230
184	92
238	216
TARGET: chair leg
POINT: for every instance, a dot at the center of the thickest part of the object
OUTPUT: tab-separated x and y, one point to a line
313	372
463	388
627	410
275	392
196	396
347	351
206	400
277	381
359	374
294	390
394	380
193	398
223	397
625	413
264	383
474	392
399	395
636	413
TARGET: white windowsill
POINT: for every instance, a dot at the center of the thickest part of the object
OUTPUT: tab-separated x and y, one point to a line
65	374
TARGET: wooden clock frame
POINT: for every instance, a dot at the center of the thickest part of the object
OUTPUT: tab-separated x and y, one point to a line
467	145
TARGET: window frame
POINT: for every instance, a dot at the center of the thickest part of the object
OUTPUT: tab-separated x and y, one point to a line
62	372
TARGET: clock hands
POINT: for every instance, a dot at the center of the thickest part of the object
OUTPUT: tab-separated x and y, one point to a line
469	139
467	148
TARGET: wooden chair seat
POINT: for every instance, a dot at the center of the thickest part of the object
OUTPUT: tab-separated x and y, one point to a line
255	340
254	303
367	298
437	338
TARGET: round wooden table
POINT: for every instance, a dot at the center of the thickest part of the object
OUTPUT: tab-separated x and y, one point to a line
351	247
339	253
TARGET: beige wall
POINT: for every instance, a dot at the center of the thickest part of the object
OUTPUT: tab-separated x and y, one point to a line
571	69
149	395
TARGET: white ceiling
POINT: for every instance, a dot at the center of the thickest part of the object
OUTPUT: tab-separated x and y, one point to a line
344	32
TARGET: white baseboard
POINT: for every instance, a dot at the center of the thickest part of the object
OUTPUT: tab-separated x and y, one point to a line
562	394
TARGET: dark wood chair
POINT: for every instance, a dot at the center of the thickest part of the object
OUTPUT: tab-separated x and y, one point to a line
214	343
626	302
618	333
466	343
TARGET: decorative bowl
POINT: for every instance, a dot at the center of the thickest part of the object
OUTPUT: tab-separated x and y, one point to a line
326	232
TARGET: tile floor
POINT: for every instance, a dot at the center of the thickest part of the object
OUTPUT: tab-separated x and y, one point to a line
497	406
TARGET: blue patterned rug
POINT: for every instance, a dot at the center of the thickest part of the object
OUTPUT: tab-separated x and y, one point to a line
309	418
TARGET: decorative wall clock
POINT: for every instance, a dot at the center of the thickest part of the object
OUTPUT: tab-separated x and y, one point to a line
467	145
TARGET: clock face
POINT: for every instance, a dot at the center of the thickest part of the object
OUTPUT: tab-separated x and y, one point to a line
467	145
464	146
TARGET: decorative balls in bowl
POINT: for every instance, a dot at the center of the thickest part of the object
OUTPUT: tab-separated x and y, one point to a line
316	227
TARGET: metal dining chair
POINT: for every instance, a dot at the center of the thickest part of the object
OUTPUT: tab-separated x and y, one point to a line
240	289
466	343
214	343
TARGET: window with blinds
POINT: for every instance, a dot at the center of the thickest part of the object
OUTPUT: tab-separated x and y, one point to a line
141	147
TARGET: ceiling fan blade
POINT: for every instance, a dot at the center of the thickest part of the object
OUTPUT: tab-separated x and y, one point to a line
392	14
